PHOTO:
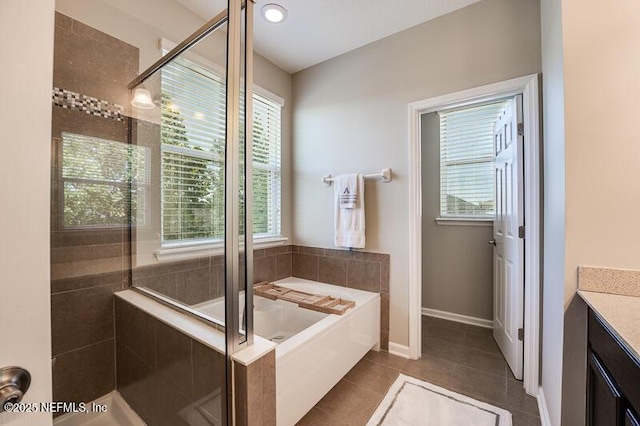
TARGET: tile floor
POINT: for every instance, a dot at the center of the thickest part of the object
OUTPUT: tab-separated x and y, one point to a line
459	357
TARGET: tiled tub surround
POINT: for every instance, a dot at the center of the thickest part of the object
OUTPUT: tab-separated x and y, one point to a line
167	377
87	264
197	280
255	391
352	269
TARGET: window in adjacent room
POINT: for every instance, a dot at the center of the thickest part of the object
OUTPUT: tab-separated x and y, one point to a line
466	161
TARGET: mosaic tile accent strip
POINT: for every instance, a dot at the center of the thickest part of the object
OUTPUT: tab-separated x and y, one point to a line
90	105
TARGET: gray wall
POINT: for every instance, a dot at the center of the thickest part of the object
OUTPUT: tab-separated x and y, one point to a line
351	116
457	264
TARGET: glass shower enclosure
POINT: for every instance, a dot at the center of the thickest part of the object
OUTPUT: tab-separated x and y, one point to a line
191	177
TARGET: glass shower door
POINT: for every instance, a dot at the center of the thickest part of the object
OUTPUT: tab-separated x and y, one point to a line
190	214
190	211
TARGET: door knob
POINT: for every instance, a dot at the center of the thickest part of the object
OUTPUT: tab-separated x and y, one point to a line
492	242
14	383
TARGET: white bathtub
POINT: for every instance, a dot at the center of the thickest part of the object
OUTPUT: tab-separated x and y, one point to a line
274	320
315	350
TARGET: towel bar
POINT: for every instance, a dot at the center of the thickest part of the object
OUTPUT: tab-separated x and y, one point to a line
384	175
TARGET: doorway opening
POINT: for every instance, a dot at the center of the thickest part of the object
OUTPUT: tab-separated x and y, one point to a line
464	213
493	189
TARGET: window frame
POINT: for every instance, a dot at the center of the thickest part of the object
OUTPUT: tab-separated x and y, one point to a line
190	247
125	186
464	219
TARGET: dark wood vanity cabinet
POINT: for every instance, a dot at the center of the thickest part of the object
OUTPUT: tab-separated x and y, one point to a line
613	378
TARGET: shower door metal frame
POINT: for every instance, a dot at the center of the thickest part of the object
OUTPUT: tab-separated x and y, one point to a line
248	171
213	24
234	82
236	68
233	239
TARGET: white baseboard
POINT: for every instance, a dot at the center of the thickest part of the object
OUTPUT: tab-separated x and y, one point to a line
545	420
400	350
450	316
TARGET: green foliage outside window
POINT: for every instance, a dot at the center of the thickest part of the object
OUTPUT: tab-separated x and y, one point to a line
97	179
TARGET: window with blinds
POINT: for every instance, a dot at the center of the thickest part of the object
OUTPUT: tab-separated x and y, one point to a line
466	161
193	149
267	166
97	176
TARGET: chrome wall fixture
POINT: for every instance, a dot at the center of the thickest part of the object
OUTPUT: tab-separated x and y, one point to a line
14	383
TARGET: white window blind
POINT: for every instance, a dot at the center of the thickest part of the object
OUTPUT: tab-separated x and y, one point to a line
97	176
267	166
466	161
193	147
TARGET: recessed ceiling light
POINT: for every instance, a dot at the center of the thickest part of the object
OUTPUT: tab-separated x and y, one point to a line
274	13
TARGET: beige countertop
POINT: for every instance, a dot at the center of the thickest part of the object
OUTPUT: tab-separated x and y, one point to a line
622	313
609	280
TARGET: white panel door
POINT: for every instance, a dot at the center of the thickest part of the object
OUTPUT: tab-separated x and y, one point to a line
26	73
508	252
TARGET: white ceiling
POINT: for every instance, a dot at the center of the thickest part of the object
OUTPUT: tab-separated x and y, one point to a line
317	30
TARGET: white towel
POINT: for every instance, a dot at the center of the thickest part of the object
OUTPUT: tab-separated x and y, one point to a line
348	189
349	222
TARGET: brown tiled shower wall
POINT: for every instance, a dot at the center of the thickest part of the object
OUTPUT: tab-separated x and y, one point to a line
171	379
91	73
165	376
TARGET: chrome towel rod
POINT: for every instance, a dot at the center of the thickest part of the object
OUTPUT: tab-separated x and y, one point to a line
384	175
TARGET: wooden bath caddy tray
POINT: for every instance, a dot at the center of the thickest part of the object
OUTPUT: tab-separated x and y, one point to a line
315	302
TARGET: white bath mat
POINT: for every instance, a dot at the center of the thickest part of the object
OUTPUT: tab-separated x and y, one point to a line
412	402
